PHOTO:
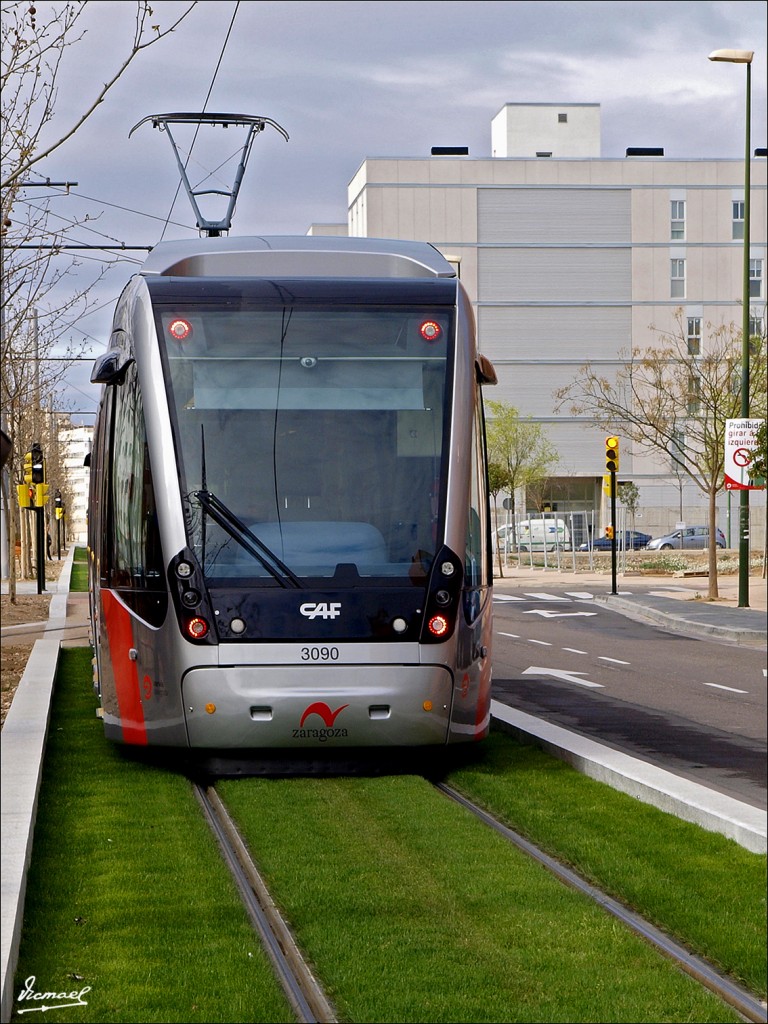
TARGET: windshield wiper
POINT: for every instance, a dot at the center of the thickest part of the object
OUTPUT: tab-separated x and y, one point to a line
248	540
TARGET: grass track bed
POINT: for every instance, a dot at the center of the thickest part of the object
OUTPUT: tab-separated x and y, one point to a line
411	910
406	906
698	886
127	890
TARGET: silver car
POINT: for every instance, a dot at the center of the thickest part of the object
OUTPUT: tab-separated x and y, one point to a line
690	537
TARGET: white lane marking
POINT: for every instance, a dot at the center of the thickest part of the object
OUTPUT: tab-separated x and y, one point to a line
549	614
583	595
544	643
507	597
568	677
514	636
616	661
546	597
575	650
730	689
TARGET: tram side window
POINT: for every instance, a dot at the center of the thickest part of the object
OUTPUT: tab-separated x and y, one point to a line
477	566
135	556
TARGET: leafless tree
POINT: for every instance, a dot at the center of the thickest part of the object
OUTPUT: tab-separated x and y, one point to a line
675	401
35	321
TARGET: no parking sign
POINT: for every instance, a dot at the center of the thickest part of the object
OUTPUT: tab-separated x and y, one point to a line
740	443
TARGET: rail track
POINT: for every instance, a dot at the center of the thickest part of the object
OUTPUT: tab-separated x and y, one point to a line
751	1008
305	993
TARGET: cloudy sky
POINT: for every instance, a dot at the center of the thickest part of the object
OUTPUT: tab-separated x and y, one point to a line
351	80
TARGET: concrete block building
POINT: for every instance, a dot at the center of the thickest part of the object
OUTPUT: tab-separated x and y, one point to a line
570	258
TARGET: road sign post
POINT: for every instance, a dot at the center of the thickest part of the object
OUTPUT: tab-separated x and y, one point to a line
740	443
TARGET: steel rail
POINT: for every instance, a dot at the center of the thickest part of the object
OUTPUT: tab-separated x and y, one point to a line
748	1005
302	990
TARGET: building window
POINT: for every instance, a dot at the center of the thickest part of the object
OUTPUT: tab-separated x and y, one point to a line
677	218
677	451
694	395
677	283
738	218
756	327
562	119
755	279
694	335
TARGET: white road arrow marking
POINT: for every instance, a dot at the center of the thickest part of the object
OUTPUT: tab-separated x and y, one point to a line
567	677
549	614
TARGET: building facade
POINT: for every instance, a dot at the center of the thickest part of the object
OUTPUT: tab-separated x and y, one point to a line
74	445
570	258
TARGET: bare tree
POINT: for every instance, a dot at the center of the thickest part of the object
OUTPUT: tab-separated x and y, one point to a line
34	321
32	59
675	401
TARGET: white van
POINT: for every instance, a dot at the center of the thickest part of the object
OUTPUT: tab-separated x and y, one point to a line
546	533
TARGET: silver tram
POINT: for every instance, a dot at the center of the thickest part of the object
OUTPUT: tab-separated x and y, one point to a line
288	529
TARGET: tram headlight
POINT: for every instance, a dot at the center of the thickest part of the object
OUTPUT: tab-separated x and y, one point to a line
438	625
179	329
431	330
197	628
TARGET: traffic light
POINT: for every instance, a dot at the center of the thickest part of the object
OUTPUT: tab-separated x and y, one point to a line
612	454
41	494
609	532
59	505
38	465
607	489
28	468
23	492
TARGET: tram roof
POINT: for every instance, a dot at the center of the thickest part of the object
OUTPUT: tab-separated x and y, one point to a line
296	256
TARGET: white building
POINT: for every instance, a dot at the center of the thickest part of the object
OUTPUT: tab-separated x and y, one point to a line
75	445
570	258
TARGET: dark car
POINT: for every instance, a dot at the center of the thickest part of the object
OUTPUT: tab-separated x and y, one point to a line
632	540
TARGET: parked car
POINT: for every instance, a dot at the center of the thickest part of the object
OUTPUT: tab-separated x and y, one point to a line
632	540
690	537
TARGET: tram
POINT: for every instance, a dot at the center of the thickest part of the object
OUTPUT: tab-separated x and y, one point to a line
289	533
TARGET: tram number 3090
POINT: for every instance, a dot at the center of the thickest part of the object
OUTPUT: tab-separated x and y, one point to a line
319	653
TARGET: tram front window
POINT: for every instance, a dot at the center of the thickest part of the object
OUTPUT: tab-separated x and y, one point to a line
318	427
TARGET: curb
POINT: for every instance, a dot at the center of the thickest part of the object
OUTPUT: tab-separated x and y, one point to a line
21	767
680	623
691	801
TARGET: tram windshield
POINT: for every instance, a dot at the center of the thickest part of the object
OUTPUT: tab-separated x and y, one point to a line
310	416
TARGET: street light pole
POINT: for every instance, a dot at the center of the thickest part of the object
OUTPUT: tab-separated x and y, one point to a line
743	57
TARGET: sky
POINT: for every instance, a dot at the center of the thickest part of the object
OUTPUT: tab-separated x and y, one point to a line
352	80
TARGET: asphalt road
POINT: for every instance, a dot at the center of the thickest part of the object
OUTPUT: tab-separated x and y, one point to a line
696	707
